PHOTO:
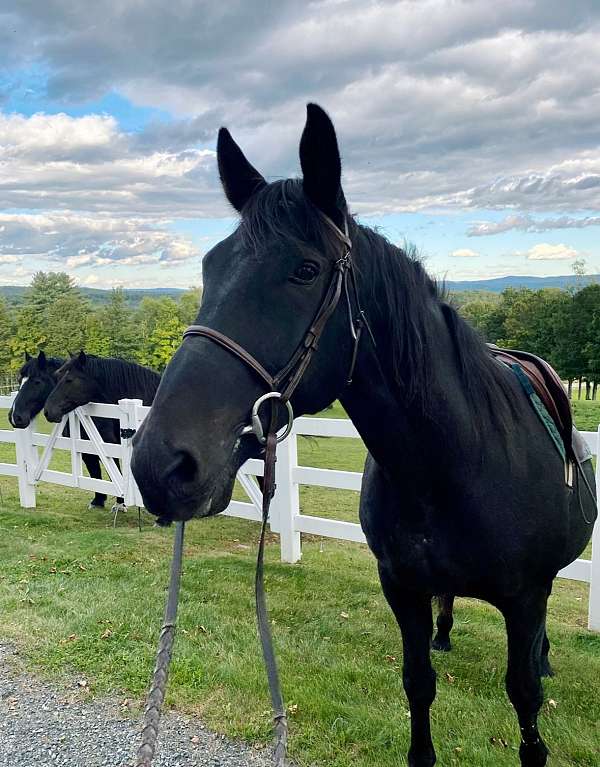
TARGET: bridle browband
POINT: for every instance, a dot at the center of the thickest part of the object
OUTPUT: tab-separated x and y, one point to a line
280	388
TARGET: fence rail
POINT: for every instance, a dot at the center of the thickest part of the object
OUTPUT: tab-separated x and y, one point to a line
34	451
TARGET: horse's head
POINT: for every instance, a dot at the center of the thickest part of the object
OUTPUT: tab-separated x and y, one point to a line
74	386
263	287
36	382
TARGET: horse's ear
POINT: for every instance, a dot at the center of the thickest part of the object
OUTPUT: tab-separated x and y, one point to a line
41	360
240	179
321	164
81	359
27	356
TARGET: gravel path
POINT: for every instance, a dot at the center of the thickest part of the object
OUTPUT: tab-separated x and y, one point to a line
43	726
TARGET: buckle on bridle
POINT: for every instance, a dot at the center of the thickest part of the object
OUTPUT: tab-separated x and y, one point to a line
344	260
256	426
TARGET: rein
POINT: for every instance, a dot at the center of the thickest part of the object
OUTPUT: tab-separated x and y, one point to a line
280	388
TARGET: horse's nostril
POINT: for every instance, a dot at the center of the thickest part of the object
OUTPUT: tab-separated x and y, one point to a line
185	469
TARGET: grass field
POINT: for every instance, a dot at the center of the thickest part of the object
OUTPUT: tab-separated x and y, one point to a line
80	598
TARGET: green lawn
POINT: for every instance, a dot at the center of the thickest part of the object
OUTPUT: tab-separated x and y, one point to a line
79	597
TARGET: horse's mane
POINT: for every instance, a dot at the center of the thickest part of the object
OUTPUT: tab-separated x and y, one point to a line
120	378
410	293
281	209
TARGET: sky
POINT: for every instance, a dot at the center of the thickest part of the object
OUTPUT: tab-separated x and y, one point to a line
470	129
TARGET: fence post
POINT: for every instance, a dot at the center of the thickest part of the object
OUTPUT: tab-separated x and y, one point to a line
128	424
594	605
285	506
26	461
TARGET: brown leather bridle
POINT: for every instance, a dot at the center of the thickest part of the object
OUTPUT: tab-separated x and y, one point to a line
280	388
284	383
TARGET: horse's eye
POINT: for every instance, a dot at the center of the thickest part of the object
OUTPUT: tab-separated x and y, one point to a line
306	272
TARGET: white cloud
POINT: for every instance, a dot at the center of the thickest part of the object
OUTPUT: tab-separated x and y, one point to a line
526	223
544	251
53	162
77	240
464	253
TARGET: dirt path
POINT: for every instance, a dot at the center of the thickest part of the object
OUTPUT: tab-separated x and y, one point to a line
42	725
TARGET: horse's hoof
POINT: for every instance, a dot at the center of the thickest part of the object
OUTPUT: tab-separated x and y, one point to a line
425	759
118	507
533	754
441	645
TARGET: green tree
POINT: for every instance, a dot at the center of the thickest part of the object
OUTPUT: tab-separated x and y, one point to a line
30	334
47	287
161	328
7	330
117	325
530	320
66	320
481	315
38	322
163	342
189	305
96	339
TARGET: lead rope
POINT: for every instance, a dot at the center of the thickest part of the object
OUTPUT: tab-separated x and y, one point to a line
156	695
280	725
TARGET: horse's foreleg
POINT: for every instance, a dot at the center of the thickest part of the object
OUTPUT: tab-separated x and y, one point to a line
525	627
545	667
413	613
119	504
92	464
444	623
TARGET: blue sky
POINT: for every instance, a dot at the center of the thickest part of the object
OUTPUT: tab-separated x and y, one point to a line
468	132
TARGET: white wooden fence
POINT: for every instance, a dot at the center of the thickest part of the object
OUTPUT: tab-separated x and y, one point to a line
34	451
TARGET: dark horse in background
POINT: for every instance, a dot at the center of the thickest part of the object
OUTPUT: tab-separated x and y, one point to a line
37	379
86	378
464	491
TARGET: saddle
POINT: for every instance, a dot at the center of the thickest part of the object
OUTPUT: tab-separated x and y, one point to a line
547	385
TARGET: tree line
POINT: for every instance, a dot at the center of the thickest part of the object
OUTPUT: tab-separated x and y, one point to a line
562	326
57	317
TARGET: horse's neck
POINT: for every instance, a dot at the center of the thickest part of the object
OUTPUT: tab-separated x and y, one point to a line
109	392
137	386
396	430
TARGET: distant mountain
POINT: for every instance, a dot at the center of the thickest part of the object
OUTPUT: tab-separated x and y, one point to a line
498	284
15	294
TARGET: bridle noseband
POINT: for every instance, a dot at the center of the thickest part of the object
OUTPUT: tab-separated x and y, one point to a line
284	383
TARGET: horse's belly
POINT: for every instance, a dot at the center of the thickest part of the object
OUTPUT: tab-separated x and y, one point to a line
464	546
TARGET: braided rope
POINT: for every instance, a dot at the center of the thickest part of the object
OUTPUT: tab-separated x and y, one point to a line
156	695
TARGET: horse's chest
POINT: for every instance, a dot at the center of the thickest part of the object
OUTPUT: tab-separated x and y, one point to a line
410	534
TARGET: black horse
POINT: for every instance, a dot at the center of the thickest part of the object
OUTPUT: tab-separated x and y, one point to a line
86	378
464	491
37	379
